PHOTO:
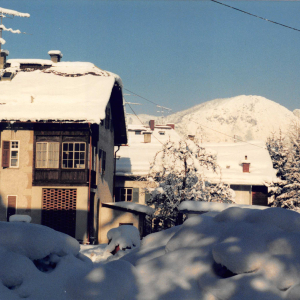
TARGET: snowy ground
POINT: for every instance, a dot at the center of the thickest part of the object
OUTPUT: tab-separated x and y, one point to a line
234	254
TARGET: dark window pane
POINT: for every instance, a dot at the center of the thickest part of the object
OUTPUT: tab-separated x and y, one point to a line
71	147
82	147
76	146
65	147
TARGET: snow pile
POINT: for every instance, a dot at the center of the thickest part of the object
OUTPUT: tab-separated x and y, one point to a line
20	218
38	262
237	254
123	237
34	259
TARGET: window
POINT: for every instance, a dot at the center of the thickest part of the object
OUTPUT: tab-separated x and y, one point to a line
161	132
126	194
10	154
73	155
47	155
138	132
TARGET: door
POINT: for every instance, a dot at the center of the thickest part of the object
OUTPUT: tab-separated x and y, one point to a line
59	210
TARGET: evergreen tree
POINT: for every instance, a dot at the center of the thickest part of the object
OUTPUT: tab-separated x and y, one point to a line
178	173
285	155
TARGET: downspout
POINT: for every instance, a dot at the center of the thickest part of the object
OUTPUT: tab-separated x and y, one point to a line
114	180
90	185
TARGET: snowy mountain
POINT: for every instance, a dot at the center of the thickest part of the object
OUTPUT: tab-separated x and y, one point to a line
220	120
297	112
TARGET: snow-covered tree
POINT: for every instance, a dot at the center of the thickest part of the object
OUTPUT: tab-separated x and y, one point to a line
178	173
3	14
285	155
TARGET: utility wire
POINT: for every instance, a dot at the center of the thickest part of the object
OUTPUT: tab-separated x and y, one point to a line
245	12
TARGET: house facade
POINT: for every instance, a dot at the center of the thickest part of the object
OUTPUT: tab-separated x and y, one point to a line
245	167
59	124
134	159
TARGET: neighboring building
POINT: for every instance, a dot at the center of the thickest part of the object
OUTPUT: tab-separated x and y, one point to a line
59	124
246	167
134	160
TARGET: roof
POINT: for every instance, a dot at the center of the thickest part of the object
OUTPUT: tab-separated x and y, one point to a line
136	157
63	91
203	206
231	156
130	207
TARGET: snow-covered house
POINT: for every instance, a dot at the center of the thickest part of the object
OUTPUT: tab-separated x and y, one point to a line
246	167
59	124
134	160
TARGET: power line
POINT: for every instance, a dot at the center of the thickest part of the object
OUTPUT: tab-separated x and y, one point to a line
245	12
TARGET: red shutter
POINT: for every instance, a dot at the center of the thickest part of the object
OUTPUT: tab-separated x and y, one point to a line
5	154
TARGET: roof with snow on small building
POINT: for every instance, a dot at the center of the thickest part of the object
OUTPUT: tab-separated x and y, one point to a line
131	207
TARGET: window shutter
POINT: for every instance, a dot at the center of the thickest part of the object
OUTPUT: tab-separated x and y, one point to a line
11	206
117	194
135	197
5	154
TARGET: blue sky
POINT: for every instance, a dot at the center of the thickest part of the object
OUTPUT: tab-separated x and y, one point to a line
175	53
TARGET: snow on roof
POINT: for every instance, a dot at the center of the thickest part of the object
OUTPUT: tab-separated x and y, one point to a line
55	52
203	206
5	51
67	91
135	159
231	156
13	13
132	207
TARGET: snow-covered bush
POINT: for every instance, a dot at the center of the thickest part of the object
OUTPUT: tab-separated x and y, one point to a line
122	238
179	173
285	154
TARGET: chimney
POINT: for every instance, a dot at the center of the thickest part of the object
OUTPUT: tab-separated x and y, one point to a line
246	165
191	137
151	124
3	55
172	125
147	136
55	55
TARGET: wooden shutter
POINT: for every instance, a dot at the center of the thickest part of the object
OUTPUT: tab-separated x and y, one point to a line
11	206
117	194
5	154
135	197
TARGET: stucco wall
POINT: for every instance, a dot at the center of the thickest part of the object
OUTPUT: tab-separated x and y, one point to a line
111	218
242	194
81	208
17	181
